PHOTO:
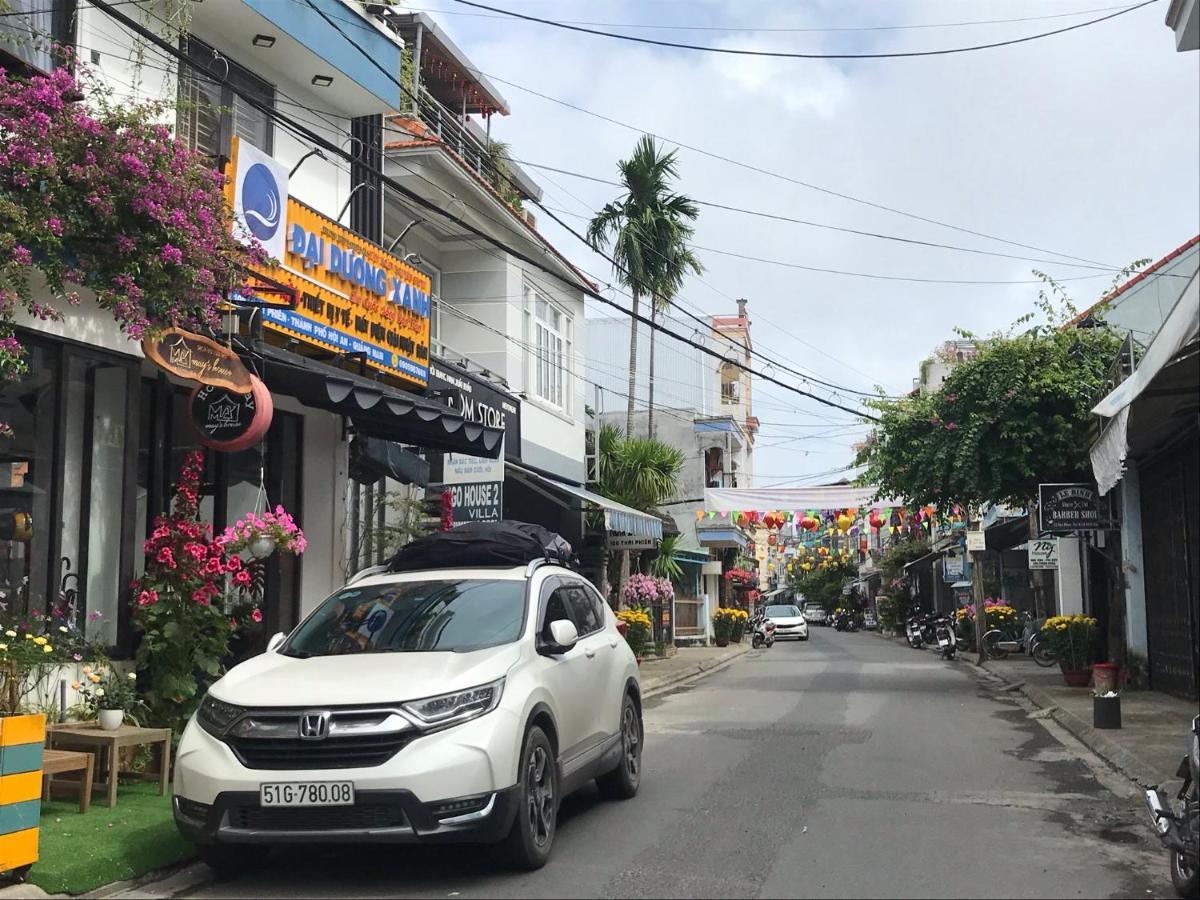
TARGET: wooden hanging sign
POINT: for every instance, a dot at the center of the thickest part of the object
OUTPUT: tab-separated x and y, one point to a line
198	358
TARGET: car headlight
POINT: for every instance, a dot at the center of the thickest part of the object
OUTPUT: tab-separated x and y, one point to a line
451	709
215	716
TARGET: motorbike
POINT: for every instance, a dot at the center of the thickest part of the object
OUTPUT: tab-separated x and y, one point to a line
845	621
945	636
999	645
764	633
913	631
1180	832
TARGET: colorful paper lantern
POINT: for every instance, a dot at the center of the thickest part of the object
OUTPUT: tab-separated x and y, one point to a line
844	521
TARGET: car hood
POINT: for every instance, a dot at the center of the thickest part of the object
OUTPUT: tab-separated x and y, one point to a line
355	678
787	620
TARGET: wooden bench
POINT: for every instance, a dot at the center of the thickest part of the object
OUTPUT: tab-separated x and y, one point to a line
55	762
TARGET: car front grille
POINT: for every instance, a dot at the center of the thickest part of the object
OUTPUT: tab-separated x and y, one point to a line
332	753
317	818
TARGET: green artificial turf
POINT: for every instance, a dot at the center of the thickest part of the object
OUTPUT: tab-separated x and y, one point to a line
80	852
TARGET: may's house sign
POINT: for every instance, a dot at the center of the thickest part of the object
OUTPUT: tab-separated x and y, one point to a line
227	420
197	358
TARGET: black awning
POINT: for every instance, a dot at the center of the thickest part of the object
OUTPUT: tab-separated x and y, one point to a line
376	410
1007	534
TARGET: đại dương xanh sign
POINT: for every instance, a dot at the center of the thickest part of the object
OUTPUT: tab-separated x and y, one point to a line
351	296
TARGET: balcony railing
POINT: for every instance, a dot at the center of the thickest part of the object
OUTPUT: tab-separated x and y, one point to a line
450	128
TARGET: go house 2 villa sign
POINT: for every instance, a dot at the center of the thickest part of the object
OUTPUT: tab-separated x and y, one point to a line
1064	508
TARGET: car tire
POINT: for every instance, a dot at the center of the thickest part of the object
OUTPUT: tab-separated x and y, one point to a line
531	837
231	860
623	781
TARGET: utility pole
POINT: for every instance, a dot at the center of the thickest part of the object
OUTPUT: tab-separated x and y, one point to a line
977	592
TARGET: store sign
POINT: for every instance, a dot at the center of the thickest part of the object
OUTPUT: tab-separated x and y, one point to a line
353	297
476	486
976	542
1063	508
1043	554
197	358
228	420
953	566
478	401
631	542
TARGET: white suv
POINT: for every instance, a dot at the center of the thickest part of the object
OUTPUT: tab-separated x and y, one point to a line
446	705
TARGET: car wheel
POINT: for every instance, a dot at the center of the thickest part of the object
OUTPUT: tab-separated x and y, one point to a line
232	860
532	835
623	781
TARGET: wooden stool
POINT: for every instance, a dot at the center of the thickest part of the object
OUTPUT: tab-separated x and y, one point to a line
55	762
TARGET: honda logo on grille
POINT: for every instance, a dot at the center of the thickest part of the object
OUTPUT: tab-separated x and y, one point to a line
314	726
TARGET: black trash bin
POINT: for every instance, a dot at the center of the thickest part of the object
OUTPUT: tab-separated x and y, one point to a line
1106	712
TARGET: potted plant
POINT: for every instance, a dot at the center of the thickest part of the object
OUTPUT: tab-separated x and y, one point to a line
723	623
261	534
1073	639
637	629
108	694
741	617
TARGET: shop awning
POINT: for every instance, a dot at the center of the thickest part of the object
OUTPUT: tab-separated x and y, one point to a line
1170	364
376	410
1006	534
923	562
618	519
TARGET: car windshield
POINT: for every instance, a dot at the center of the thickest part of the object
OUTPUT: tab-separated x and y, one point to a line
454	615
782	612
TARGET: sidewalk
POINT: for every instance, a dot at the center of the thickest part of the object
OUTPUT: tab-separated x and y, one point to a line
1155	726
660	675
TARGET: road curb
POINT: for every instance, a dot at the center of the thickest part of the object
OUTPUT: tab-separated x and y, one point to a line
1125	762
693	673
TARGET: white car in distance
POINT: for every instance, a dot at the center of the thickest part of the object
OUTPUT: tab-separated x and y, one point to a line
431	706
789	622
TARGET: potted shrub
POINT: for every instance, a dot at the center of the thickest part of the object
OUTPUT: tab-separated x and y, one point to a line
1073	639
108	694
741	617
723	621
637	629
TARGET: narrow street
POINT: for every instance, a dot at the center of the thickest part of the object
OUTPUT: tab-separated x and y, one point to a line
845	766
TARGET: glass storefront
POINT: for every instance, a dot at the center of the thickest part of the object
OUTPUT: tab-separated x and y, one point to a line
77	498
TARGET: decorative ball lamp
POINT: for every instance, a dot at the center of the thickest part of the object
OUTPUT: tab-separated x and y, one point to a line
844	521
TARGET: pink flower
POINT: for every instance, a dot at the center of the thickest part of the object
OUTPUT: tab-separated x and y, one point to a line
147	598
214	566
200	595
242	577
234	564
950	426
54	224
166	557
171	254
256	615
21	256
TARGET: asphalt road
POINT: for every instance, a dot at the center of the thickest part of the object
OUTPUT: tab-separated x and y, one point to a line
847	766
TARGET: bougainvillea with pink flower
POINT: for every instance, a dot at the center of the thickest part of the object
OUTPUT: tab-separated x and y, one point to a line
180	605
646	590
100	196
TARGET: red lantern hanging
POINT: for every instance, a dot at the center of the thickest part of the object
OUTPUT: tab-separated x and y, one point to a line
875	520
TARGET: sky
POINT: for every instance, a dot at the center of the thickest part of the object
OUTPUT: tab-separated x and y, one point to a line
1085	144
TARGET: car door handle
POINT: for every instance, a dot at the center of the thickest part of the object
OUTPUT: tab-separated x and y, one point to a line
589	652
613	642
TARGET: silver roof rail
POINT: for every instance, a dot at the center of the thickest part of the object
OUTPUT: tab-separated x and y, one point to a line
535	564
366	573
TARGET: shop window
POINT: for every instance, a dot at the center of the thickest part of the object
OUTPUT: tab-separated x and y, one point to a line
211	113
552	332
29	408
28	28
66	511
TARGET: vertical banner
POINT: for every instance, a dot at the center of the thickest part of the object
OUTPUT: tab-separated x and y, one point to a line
260	191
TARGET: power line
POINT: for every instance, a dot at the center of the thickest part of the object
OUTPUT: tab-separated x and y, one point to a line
780	54
785	30
776	217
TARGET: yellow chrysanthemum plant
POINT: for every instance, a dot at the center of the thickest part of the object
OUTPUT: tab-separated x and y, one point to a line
638	627
1073	639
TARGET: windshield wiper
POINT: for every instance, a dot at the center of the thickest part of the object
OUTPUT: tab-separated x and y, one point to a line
298	654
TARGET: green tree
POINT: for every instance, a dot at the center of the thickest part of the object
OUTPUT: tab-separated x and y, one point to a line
638	472
648	228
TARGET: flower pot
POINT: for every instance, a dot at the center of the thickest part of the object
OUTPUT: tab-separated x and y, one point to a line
111	719
1077	677
722	642
262	547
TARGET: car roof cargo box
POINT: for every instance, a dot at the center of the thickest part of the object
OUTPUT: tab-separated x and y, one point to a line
503	543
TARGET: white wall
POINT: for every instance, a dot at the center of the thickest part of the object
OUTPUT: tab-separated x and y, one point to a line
1069	577
1131	560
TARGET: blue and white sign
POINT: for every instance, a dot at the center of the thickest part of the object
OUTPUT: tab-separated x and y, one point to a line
260	192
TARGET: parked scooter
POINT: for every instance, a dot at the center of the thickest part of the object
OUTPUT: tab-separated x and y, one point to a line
913	631
999	645
933	629
764	633
945	636
1180	832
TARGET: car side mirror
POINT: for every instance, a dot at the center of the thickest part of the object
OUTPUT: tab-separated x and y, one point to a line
276	641
563	637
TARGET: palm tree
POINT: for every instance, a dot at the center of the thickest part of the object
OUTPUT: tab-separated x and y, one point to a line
648	228
639	472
